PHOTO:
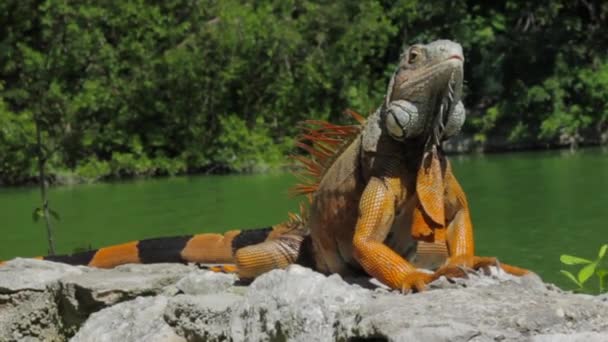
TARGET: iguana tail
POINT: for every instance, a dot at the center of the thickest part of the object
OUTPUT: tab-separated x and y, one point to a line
206	248
246	252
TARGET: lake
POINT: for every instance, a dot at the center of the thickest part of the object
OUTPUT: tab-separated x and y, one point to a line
527	208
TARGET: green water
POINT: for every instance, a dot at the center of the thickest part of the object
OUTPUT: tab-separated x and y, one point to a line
527	208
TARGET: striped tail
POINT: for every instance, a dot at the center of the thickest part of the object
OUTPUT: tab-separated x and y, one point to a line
208	248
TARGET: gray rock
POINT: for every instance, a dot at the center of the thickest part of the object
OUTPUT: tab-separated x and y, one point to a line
81	295
177	302
575	337
30	274
299	304
103	287
28	310
29	315
136	320
203	318
484	308
205	282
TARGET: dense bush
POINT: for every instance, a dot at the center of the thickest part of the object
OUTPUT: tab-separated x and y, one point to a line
129	88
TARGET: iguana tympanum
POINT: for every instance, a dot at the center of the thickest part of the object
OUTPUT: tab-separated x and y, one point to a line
383	198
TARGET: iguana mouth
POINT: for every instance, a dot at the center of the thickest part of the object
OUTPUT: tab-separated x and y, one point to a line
456	57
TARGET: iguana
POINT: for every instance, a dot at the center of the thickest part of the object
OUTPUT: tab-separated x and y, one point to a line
382	196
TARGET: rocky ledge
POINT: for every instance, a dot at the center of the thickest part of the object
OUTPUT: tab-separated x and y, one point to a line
44	301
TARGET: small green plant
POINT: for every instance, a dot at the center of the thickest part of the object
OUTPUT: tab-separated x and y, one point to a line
589	268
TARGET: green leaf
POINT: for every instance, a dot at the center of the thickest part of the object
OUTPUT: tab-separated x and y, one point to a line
571	277
602	251
54	214
601	273
573	260
37	214
586	272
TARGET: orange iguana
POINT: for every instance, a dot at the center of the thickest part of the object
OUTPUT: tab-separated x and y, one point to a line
383	199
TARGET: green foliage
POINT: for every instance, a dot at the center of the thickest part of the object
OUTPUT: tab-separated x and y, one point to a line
92	169
245	150
143	88
38	214
587	270
17	136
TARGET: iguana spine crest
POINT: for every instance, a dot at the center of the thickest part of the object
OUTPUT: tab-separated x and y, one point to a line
323	142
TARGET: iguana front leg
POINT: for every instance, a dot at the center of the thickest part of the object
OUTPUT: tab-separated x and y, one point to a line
376	214
460	235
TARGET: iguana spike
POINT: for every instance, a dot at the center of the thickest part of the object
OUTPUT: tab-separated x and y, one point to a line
292	216
322	141
327	149
301	189
313	169
360	119
321	138
318	153
331	129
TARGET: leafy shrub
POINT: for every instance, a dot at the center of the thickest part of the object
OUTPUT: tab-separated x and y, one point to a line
16	138
588	269
144	84
93	169
244	150
129	165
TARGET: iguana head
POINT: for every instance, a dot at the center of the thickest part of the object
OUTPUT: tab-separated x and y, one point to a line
423	99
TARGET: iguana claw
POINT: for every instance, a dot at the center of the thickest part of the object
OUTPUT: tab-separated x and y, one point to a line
453	271
416	281
458	267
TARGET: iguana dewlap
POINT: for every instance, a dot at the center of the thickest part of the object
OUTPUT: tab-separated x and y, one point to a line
383	198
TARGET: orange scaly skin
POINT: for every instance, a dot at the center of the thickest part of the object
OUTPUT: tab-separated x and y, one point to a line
383	198
209	249
345	239
377	211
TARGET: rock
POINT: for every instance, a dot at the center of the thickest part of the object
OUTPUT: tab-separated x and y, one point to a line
81	295
204	282
299	304
140	319
177	303
203	318
30	274
30	315
575	337
27	307
102	287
